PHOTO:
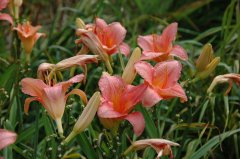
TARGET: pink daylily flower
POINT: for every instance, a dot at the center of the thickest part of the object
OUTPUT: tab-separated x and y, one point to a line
5	16
119	99
109	36
7	138
161	80
28	35
226	78
161	146
53	98
160	47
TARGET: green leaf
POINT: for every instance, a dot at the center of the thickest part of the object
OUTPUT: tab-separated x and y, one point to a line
211	143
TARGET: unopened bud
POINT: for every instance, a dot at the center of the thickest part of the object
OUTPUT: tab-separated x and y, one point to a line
129	72
18	3
86	117
205	57
80	23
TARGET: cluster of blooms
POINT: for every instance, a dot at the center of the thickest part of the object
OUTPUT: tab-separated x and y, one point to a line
118	96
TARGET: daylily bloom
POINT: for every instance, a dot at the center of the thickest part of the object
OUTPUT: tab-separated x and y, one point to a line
129	72
53	98
226	78
161	80
86	117
118	100
5	16
79	60
103	39
28	35
161	146
111	36
7	138
206	62
160	47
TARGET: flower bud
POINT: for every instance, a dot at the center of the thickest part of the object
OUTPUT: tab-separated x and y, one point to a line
18	3
80	23
86	117
129	72
206	63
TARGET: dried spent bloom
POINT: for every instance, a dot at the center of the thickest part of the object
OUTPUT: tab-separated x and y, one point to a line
206	62
226	78
53	98
161	146
129	72
28	35
161	80
78	60
160	47
118	100
7	138
5	16
86	117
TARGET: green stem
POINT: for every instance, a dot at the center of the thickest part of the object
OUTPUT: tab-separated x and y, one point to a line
36	132
70	137
59	127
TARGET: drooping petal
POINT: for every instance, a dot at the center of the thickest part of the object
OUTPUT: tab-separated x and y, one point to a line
137	121
111	87
161	146
66	84
7	17
54	101
76	60
169	33
168	72
179	52
33	87
145	42
27	103
80	93
124	48
150	97
7	138
145	70
106	110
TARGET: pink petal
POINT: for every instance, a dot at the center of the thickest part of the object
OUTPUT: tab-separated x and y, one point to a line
179	52
125	49
76	60
106	110
7	17
54	101
137	121
100	25
148	55
145	42
80	93
3	4
175	91
38	35
7	138
116	33
150	98
169	33
131	96
33	87
168	72
145	70
27	103
111	87
66	84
